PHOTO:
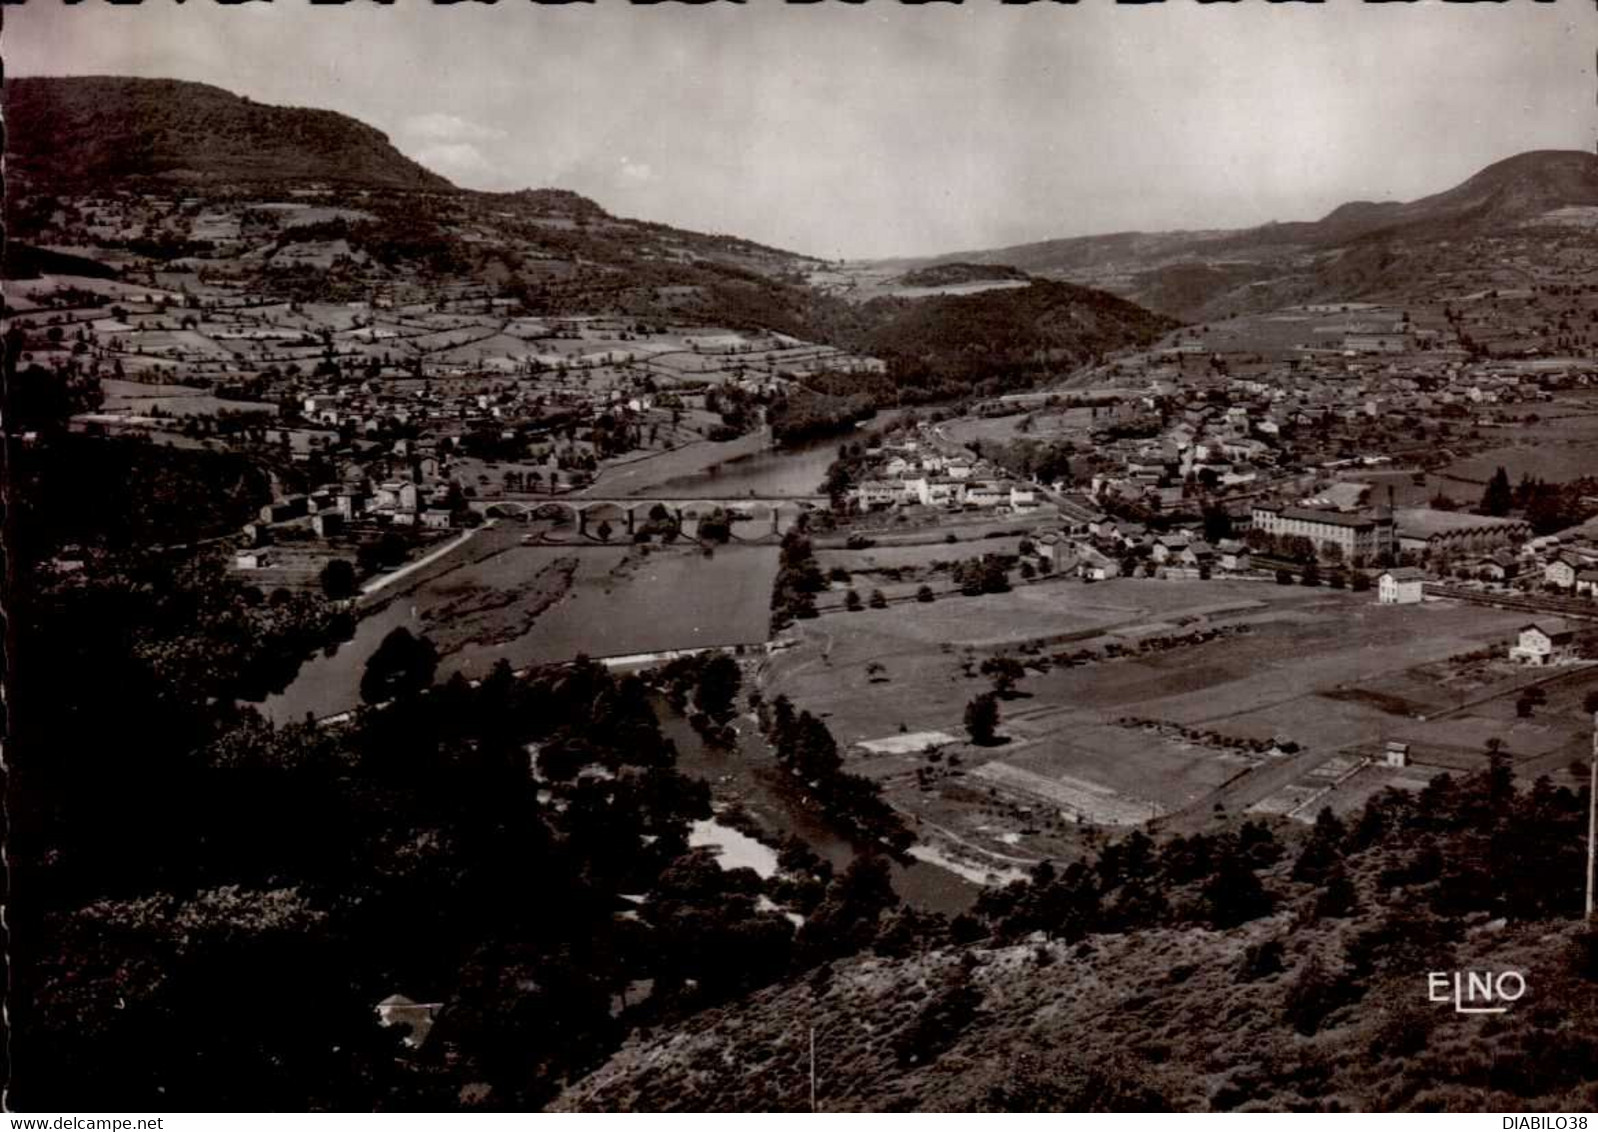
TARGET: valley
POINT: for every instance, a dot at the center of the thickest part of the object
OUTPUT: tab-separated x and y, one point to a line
952	641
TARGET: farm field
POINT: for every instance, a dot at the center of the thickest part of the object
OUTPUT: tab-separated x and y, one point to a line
140	399
1278	711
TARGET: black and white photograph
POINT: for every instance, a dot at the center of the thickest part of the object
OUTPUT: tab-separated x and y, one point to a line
799	557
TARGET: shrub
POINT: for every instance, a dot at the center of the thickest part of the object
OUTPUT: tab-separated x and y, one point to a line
1314	995
1261	960
938	1025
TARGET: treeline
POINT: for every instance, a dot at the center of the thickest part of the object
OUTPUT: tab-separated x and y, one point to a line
988	574
1045	461
803	414
1548	507
799	579
807	749
1411	872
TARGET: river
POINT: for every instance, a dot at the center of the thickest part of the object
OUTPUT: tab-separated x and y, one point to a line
621	601
795	471
751	776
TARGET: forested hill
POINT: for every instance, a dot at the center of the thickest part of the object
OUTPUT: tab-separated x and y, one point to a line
97	130
1214	972
1003	334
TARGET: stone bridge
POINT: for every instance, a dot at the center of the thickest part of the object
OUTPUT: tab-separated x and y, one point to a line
568	518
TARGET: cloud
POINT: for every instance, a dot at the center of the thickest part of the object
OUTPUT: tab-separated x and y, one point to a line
448	128
637	171
461	162
464	151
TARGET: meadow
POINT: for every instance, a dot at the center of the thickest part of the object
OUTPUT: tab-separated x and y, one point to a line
1294	691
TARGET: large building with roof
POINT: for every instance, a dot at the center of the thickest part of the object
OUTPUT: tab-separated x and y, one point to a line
1366	535
1454	532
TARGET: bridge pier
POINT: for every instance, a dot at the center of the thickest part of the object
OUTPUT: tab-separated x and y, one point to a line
582	522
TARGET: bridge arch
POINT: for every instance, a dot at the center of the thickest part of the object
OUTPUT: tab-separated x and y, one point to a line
753	520
616	519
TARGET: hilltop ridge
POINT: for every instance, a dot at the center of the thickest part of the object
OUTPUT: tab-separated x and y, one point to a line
64	132
1359	249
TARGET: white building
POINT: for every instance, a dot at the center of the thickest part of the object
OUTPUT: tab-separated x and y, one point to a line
1405	586
1545	642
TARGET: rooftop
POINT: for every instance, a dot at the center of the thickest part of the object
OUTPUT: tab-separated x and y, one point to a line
1423	522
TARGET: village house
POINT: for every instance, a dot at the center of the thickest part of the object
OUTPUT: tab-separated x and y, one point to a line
1233	555
1561	572
1403	586
1545	642
1083	562
1169	546
983	494
873	494
1198	554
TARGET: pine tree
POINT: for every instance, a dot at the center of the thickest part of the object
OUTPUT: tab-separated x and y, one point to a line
1498	496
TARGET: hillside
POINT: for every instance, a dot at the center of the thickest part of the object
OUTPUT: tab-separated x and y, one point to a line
1361	249
88	131
998	337
1206	973
258	194
1114	1024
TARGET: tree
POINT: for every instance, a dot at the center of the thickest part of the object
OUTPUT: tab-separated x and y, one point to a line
924	594
1004	671
878	600
994	578
719	681
982	719
851	602
1217	523
1312	574
1284	577
1234	895
338	579
402	665
1498	497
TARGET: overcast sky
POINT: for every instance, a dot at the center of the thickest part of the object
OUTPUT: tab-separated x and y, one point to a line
885	129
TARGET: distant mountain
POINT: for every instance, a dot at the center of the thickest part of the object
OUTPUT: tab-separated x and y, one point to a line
64	132
1356	250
